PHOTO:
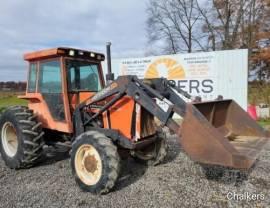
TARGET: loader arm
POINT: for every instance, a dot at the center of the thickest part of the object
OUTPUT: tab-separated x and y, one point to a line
144	93
215	132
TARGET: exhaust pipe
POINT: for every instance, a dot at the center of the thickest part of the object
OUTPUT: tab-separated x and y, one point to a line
109	75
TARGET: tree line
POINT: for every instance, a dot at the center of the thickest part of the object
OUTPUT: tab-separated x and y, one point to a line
12	86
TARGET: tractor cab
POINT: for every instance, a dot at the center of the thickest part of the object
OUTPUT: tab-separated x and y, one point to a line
58	80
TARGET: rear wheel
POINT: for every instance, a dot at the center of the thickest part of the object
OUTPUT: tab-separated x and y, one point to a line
21	137
153	154
95	162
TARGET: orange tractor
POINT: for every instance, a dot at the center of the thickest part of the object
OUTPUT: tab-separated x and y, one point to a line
68	100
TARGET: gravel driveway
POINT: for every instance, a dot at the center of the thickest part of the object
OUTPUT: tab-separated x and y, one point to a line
178	182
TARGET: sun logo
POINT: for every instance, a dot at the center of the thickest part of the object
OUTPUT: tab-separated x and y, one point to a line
165	67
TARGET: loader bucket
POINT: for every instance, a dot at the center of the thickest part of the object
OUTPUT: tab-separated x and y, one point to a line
221	133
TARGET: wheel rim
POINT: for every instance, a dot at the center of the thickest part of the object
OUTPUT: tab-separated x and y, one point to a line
88	164
9	139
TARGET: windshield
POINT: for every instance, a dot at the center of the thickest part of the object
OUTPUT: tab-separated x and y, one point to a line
82	76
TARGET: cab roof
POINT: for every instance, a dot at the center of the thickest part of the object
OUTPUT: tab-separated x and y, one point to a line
63	51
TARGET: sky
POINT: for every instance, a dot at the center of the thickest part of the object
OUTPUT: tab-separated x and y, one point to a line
29	25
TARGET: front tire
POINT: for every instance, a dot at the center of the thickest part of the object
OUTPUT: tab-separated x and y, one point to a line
21	137
95	162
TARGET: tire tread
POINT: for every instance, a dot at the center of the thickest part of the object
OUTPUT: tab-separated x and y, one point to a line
31	136
111	157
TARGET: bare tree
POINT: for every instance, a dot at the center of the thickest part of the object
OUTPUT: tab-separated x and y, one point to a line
257	33
176	22
229	14
206	10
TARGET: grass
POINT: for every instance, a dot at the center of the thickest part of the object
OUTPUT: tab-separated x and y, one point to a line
264	122
10	100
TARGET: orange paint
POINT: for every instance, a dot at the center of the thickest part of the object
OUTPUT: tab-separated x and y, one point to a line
121	116
40	108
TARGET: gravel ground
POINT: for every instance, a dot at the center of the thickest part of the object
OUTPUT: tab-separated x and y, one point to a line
178	182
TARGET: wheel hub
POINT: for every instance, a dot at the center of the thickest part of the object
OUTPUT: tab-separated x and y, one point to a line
9	139
88	164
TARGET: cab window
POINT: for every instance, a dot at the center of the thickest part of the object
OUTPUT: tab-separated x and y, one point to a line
50	77
32	78
83	76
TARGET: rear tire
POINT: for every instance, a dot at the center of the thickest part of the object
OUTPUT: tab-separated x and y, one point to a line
95	162
155	153
21	137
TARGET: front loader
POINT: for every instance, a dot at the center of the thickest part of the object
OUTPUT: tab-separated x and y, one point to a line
69	104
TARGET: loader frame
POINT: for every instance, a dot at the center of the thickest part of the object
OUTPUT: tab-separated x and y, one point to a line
210	142
144	93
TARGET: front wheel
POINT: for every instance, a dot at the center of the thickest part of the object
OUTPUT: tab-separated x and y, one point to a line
95	162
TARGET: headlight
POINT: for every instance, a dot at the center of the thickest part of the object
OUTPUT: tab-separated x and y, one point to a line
71	52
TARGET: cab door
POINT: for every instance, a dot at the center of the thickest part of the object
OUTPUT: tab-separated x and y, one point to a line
50	87
52	107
